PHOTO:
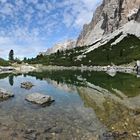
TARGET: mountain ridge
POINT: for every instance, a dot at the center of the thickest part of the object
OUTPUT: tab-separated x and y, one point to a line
62	46
109	17
112	37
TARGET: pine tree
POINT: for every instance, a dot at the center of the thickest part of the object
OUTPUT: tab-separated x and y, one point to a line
11	55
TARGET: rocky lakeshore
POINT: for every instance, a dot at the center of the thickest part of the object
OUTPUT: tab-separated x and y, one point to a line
38	67
17	69
8	69
124	69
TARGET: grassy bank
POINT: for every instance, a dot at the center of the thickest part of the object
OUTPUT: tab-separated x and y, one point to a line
4	62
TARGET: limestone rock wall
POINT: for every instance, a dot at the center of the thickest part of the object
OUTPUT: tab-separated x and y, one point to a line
108	17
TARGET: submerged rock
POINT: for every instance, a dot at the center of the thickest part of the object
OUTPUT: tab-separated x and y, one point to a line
27	85
39	98
115	134
4	95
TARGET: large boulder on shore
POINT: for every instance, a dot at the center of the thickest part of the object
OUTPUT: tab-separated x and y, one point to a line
39	98
4	95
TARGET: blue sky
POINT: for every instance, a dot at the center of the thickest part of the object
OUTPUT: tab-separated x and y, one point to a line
31	26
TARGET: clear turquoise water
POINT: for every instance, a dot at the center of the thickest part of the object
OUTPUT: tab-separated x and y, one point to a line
74	114
67	113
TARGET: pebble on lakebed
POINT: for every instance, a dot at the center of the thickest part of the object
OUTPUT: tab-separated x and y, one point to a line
27	85
4	95
38	98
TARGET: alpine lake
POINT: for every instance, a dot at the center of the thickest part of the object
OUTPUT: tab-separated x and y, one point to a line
88	106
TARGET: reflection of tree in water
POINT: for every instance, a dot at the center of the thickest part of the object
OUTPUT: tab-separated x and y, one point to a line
11	80
24	75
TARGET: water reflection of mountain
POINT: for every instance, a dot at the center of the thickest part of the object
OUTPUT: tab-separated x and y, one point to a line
115	100
61	86
117	113
127	84
66	77
121	83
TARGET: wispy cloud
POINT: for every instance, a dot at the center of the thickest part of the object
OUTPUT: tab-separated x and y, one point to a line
27	48
40	23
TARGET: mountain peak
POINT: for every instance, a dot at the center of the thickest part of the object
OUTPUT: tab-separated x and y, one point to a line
61	46
110	16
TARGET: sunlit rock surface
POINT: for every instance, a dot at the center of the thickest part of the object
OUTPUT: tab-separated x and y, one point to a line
111	17
66	45
39	98
4	95
25	68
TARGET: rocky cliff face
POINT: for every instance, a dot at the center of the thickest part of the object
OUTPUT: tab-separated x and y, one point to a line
69	44
110	16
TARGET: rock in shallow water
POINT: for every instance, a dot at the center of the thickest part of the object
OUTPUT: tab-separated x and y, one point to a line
39	98
27	85
4	95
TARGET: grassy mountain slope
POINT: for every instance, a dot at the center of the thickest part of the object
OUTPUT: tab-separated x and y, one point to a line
126	51
4	62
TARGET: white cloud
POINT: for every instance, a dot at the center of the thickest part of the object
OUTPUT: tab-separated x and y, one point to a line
3	1
41	7
72	13
33	21
30	48
32	1
81	10
7	9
